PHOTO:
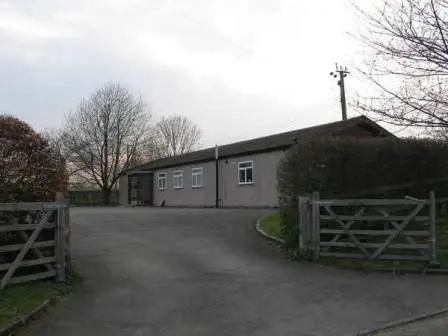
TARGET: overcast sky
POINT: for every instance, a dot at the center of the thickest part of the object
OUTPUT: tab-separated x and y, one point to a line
237	68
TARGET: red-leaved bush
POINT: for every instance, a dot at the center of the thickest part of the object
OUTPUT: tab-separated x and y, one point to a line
30	170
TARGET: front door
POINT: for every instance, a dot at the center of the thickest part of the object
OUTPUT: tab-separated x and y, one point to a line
141	189
146	185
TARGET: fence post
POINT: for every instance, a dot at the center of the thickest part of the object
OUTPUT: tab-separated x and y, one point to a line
432	215
67	237
316	224
304	224
60	238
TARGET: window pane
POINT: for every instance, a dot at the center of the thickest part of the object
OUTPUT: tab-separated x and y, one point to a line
178	178
249	175
245	164
242	176
196	177
197	180
162	181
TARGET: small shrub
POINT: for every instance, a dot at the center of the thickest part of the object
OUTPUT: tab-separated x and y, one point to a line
30	169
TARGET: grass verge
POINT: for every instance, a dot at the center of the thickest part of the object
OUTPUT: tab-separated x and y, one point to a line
271	225
18	300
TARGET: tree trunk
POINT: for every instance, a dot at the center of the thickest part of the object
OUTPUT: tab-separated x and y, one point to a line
106	196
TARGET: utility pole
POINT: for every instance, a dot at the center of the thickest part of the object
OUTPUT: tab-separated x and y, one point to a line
217	176
341	72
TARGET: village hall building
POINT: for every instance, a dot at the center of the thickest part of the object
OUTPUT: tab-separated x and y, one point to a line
241	174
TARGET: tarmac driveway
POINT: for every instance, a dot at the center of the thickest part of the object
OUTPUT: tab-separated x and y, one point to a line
207	272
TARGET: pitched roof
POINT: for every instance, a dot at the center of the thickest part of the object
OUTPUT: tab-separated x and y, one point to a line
264	144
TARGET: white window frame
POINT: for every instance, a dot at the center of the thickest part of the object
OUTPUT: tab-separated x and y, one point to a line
178	174
162	177
195	172
245	174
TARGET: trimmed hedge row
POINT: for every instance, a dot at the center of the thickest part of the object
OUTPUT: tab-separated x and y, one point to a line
359	167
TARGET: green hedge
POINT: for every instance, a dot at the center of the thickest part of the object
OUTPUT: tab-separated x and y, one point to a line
354	167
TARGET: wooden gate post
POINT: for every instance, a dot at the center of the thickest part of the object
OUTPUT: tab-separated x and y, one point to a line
60	238
433	231
305	228
67	239
316	224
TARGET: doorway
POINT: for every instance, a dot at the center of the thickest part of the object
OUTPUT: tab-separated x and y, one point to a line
140	189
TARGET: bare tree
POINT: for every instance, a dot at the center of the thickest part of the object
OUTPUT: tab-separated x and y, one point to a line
105	135
174	135
56	140
410	63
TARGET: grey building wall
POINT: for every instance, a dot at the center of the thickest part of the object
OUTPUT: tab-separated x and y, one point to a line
187	196
123	186
262	192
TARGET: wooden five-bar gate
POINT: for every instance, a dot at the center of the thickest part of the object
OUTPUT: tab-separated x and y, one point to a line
34	242
371	229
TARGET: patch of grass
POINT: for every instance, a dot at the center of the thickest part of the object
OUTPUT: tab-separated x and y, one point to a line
20	299
354	264
271	225
442	256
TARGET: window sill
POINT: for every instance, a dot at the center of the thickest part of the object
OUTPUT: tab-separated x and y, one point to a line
177	188
196	187
162	189
245	184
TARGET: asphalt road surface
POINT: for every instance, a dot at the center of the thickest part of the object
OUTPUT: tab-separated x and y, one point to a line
207	272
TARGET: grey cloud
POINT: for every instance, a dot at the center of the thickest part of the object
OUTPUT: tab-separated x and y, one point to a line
42	94
43	79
